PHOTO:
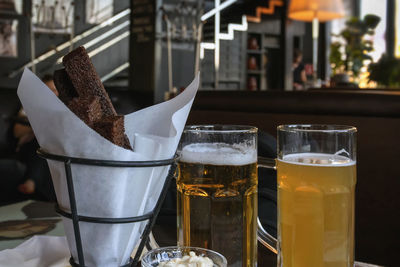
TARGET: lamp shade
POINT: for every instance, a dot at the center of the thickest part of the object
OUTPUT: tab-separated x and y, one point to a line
323	10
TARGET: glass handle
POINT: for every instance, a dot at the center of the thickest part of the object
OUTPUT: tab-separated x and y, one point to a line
263	236
266	163
266	239
152	243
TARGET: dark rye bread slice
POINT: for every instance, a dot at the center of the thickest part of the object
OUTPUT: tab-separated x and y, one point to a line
87	109
85	79
66	90
82	91
112	128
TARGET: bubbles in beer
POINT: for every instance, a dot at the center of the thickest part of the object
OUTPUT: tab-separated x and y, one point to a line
219	154
316	209
319	159
217	200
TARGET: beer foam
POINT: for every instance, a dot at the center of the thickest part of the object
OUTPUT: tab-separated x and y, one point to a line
219	154
318	159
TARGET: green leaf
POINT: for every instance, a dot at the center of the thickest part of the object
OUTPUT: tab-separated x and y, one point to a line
371	21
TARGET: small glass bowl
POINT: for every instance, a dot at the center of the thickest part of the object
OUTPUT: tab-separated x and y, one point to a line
155	256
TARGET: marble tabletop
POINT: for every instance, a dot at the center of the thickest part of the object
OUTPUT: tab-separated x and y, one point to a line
20	221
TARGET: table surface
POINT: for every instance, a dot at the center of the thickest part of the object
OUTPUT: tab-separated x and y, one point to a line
43	212
28	211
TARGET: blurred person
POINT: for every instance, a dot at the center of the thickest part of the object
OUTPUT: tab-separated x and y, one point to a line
8	46
36	179
299	72
8	38
37	173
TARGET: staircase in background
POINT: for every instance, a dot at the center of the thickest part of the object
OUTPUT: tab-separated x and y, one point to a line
265	10
109	39
223	21
232	11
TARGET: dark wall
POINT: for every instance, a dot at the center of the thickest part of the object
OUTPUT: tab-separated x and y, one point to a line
183	70
148	50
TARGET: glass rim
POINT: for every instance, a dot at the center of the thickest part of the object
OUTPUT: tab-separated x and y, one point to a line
220	128
314	128
181	248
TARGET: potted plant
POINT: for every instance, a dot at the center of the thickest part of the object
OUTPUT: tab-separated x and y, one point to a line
348	55
385	72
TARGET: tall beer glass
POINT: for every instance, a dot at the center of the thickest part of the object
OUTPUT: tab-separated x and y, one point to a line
217	191
316	170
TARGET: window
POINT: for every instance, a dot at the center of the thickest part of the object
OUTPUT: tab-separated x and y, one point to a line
337	25
397	29
378	8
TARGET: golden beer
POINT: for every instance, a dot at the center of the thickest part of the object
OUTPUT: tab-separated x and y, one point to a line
217	201
316	210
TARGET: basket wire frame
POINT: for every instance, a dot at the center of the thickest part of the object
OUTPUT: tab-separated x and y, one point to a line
76	218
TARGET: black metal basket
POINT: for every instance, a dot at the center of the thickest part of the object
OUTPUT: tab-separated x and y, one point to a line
76	218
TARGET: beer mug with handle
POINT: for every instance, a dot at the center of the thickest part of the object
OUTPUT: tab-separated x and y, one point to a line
217	191
316	170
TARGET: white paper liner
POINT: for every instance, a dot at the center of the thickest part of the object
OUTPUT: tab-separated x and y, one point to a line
106	191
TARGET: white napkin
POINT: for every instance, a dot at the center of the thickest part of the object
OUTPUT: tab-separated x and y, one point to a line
105	191
38	251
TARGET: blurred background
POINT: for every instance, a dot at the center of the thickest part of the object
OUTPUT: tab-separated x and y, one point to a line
157	46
